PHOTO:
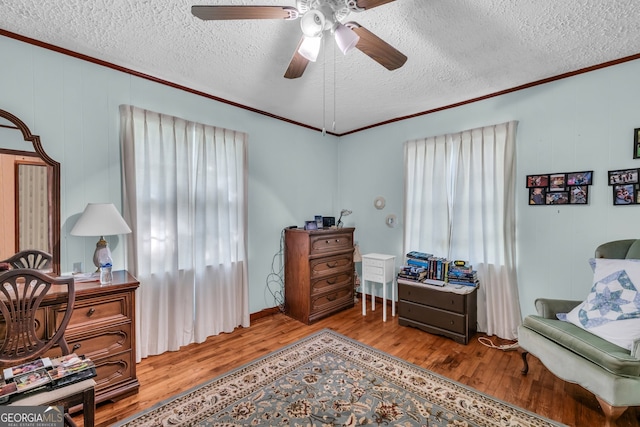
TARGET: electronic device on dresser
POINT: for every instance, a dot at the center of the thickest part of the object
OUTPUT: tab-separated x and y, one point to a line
318	272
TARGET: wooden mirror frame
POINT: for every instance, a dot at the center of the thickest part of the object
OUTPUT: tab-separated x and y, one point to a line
53	178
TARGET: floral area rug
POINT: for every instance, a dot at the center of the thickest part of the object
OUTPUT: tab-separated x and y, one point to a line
327	379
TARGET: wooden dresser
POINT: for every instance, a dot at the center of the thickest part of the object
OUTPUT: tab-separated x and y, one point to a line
437	311
102	327
318	272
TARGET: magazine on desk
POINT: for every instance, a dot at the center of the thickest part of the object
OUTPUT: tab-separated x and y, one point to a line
44	374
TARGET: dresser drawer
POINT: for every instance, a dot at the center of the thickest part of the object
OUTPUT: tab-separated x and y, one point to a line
433	316
434	298
330	283
331	264
102	343
95	311
326	243
114	370
328	301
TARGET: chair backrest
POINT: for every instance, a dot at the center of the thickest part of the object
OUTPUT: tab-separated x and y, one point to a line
619	249
21	294
31	258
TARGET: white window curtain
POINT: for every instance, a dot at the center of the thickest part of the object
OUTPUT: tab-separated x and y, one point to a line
185	191
460	204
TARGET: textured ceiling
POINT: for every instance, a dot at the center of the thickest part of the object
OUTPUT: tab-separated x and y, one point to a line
457	49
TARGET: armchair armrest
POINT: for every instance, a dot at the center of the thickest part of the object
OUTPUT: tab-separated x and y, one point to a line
548	308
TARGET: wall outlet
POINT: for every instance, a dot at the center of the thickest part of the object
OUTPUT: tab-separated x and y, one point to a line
78	267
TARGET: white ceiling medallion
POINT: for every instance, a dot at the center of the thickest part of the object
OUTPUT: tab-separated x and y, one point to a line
379	202
390	220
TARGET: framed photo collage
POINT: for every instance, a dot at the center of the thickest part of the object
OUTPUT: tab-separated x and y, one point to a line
569	188
625	187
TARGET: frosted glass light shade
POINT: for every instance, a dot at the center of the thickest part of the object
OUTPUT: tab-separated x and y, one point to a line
346	38
310	48
100	219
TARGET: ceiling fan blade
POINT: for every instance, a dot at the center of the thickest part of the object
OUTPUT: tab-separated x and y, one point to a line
208	13
370	4
377	49
297	65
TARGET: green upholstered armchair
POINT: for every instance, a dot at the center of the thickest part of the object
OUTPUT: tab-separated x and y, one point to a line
610	372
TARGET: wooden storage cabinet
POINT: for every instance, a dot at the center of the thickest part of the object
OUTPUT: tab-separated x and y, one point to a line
318	272
437	311
102	327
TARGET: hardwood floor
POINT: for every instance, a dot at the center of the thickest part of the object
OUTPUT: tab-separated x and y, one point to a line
491	371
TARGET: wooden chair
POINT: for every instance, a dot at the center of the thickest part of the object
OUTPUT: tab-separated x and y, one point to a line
22	292
31	258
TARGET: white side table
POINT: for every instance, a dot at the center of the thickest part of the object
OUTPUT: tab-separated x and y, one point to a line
378	268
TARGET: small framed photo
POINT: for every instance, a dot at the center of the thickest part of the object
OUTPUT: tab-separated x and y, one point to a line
310	225
557	182
534	181
628	176
636	143
537	196
580	178
579	195
558	198
624	194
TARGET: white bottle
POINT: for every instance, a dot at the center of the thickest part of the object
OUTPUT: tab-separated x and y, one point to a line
104	258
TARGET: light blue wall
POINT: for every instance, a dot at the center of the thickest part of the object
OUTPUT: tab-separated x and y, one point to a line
581	123
73	106
584	122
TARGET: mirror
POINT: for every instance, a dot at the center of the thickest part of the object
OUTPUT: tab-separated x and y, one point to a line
30	192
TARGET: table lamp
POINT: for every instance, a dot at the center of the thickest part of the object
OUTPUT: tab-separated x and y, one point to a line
100	219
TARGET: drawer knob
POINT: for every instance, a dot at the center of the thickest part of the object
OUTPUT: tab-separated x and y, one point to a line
332	281
337	240
91	311
332	264
76	347
332	297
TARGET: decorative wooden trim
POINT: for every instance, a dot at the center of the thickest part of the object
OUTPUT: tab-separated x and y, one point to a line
273	116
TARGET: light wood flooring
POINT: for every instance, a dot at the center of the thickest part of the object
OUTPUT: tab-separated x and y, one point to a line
491	371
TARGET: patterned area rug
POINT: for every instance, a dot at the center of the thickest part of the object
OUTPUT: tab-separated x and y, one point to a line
327	379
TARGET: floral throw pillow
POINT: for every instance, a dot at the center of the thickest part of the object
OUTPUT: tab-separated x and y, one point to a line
614	294
612	308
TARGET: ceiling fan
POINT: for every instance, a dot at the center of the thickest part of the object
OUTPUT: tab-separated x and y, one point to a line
317	18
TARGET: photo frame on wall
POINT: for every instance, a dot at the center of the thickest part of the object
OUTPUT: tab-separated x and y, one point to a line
558	198
536	181
578	194
537	196
636	143
579	178
625	176
567	188
557	182
625	194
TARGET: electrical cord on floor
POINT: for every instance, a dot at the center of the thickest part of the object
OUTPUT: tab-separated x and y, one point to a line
504	347
275	279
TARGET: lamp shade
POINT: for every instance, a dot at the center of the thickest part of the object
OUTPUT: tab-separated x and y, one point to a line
346	38
310	48
100	219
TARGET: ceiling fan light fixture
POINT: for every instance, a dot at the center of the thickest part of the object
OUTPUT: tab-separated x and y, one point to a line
310	48
346	38
312	23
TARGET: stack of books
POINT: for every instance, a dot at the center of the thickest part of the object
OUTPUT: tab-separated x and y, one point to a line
433	269
44	374
412	273
461	273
